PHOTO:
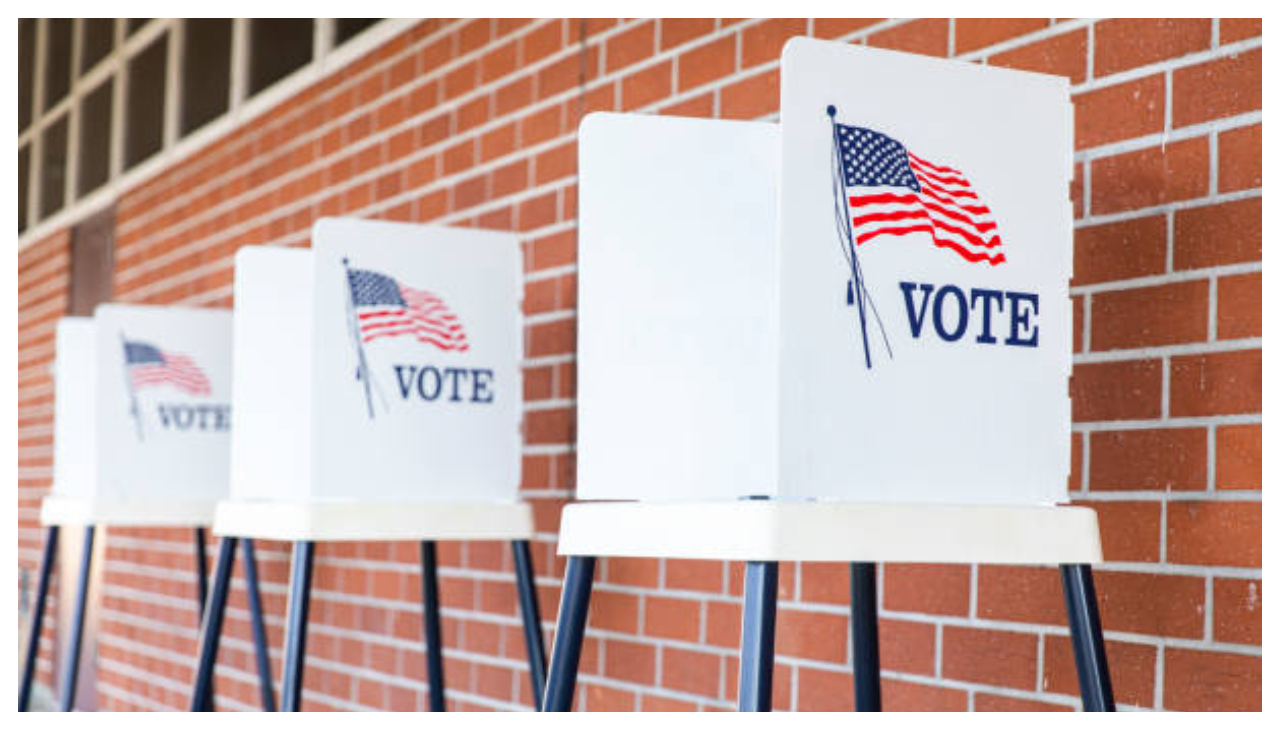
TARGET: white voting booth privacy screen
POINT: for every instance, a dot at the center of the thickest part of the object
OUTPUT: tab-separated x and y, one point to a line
866	302
142	406
383	364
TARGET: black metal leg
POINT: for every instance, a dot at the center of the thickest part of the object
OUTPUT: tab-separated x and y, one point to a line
1086	638
71	660
202	595
261	650
566	650
433	643
211	627
37	618
295	637
533	646
866	639
759	620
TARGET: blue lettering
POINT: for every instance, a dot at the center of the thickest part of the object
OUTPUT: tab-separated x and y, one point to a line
986	295
1020	319
915	318
962	323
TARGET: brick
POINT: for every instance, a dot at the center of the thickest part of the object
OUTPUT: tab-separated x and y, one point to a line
1151	176
671	618
630	46
907	646
921	588
1216	235
1114	113
985	656
646	86
1221	383
1077	324
1061	55
1148	459
1168	314
1154	604
1130	530
1215	533
706	63
1125	249
635	572
811	635
929	37
695	672
1203	681
678	31
824	583
1231	30
1237	611
974	33
1240	159
1238	455
598	698
751	98
900	696
1219	88
1133	670
695	575
724	624
1112	391
983	702
1240	306
630	661
614	611
1077	462
1126	43
830	28
1022	594
762	42
824	691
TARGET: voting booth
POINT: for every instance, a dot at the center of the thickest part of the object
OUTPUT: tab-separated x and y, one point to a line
842	337
378	396
142	422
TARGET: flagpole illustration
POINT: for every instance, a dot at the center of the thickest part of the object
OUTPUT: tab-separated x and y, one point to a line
362	369
857	284
128	386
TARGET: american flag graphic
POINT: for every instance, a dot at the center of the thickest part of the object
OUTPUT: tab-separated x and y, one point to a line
149	366
387	308
892	192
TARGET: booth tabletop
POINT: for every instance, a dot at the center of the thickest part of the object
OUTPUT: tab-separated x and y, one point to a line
759	530
380	520
96	511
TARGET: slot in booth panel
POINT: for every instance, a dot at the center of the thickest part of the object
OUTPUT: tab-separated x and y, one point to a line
74	403
432	315
271	443
678	317
164	403
956	414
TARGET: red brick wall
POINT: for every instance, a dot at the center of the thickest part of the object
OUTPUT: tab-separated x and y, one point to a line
473	123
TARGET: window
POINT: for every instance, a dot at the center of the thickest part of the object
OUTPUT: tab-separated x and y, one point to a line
99	38
92	262
206	71
97	97
144	109
344	29
53	167
95	138
277	47
26	71
57	62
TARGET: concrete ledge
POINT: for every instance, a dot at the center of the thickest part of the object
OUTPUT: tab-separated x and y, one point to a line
342	520
91	511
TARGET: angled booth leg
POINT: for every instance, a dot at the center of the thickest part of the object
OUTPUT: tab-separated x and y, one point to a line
566	650
866	638
71	660
431	627
759	620
1086	638
261	650
37	618
202	596
533	646
211	627
295	637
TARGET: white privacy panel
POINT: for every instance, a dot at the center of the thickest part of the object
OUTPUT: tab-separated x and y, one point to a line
926	252
271	444
75	436
163	403
678	318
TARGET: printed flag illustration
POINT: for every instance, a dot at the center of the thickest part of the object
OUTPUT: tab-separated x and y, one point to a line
893	192
387	308
149	366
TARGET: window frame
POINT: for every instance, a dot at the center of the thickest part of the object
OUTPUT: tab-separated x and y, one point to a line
326	59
